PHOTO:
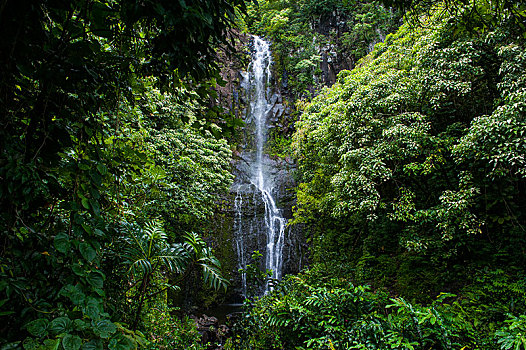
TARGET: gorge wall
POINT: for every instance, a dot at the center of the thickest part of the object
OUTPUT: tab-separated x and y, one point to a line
254	215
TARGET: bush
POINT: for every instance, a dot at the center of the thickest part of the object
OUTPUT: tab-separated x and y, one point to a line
166	331
309	312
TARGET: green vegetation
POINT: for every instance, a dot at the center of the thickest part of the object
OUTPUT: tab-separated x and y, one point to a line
311	41
412	192
109	158
306	34
419	152
322	309
411	169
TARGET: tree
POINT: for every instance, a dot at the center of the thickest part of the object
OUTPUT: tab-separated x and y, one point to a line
150	257
415	158
484	13
69	67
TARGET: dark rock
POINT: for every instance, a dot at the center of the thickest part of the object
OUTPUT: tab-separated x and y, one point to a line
211	331
246	201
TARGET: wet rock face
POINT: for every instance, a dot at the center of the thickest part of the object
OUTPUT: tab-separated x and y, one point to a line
249	216
245	209
262	189
230	95
211	331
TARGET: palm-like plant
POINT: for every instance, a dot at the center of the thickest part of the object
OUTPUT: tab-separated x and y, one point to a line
148	253
150	250
200	254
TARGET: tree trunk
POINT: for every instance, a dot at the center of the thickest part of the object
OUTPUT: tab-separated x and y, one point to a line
143	288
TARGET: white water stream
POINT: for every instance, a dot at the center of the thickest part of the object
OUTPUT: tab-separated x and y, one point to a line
260	169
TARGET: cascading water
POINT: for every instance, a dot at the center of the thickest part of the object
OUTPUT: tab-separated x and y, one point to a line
258	174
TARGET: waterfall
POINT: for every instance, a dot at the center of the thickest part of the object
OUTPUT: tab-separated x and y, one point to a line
257	174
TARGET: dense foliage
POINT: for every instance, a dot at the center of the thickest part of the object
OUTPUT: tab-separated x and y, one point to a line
314	40
107	163
416	158
323	309
411	172
412	181
311	41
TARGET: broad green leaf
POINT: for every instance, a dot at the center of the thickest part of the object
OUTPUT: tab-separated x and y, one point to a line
87	228
122	342
85	203
95	176
60	325
79	270
92	345
50	344
87	251
71	342
104	328
80	325
93	308
38	328
96	279
30	344
95	206
74	293
61	242
103	170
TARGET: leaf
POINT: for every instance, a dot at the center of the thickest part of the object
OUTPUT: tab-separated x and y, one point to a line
30	344
95	206
95	176
85	203
87	251
103	170
61	242
71	342
60	325
93	308
78	270
38	328
74	293
104	328
50	344
122	342
11	346
92	345
96	279
80	325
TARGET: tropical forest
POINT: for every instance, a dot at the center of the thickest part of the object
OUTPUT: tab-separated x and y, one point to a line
263	174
